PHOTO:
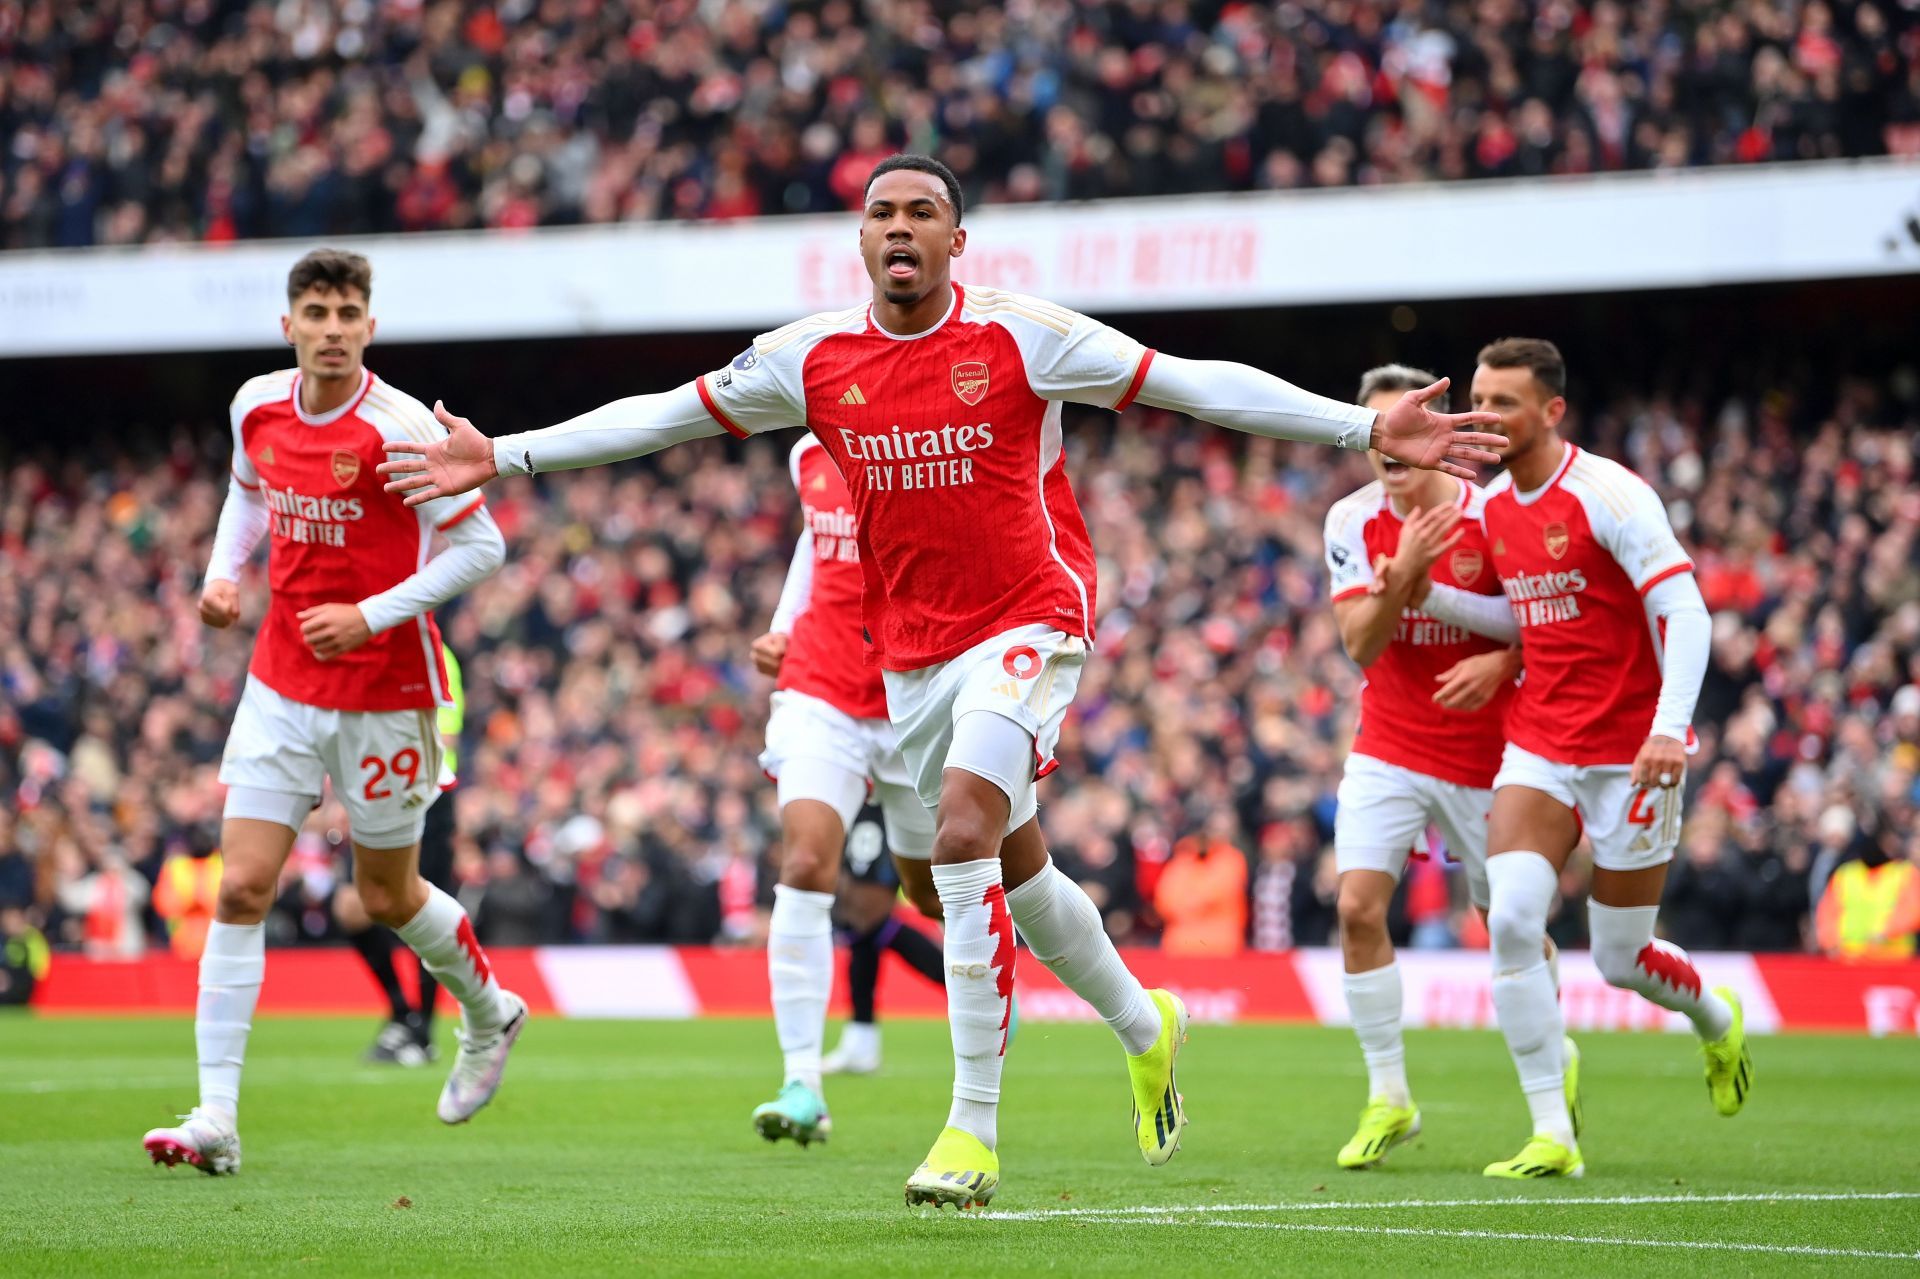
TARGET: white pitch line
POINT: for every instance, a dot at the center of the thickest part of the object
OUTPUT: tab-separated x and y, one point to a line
1695	1245
1361	1205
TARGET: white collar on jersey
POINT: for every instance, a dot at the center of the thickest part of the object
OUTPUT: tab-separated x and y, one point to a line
331	415
952	306
1529	496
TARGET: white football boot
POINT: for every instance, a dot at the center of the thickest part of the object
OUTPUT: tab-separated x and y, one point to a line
205	1139
478	1065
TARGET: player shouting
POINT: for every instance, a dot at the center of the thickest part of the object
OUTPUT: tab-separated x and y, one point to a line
1615	639
1428	741
828	745
940	405
345	680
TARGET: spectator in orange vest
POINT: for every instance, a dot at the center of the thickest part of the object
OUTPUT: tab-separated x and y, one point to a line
1202	893
1871	907
185	893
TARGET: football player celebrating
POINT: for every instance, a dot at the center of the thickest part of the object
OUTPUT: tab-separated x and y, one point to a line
1615	638
941	407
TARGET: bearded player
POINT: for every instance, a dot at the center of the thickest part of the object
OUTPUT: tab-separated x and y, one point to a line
344	684
1428	741
829	745
940	405
1615	638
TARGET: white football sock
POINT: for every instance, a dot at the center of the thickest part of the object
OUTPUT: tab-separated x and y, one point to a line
1522	885
800	973
979	959
1628	956
1373	1005
231	969
442	936
1063	930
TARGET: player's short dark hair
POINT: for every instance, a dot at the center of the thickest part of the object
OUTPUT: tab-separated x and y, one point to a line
334	269
1400	377
1537	354
922	164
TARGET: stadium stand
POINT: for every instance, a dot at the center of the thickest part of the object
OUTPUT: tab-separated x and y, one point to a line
153	120
610	791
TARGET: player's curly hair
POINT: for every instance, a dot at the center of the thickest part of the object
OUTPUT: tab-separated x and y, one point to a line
922	164
1549	367
334	269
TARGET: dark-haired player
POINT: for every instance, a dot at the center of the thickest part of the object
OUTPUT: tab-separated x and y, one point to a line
344	684
1615	637
941	407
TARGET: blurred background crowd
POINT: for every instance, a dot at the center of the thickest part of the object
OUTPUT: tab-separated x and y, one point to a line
136	120
609	789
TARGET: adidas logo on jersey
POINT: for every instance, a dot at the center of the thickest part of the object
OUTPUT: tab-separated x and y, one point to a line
266	455
1008	689
853	395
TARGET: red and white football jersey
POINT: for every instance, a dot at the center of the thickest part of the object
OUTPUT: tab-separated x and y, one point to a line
1576	557
950	445
1399	722
825	651
337	537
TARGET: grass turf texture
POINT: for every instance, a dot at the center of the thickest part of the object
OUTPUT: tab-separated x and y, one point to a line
622	1146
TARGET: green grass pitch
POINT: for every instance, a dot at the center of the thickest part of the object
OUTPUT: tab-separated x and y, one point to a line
621	1146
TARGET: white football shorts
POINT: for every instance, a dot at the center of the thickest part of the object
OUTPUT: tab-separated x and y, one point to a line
817	751
1383	813
1026	676
385	765
1630	827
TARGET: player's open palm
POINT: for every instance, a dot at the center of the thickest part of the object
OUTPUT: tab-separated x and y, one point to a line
1413	433
458	464
220	603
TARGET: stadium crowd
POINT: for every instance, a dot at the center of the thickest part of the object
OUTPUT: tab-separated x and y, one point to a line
609	788
137	120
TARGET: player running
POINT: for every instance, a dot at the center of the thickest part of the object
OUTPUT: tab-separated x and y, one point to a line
1615	639
345	678
940	405
1428	740
828	745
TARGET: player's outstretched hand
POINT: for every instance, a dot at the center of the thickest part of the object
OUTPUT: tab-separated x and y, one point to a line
458	464
1662	762
333	629
1411	432
769	651
220	603
1471	682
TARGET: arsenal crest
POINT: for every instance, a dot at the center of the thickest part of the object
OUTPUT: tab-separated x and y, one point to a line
346	467
1556	539
1466	565
970	382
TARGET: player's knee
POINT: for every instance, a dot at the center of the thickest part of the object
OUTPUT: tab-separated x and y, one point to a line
965	835
1363	915
244	898
804	866
389	904
1514	932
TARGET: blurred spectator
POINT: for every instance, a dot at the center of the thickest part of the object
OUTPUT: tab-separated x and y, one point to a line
24	956
1202	894
184	896
155	120
1871	909
110	902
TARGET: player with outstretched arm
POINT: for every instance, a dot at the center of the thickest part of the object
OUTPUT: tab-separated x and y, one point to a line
344	684
941	407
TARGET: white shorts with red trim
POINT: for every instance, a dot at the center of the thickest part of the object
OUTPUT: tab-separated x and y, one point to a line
1630	827
817	751
1027	675
1383	814
385	765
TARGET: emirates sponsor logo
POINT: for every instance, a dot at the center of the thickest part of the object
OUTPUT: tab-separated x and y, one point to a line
346	467
1466	566
970	382
1557	540
915	459
312	521
1533	586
